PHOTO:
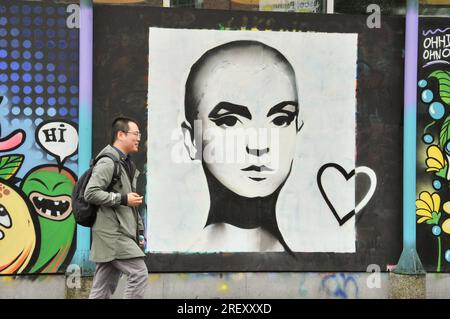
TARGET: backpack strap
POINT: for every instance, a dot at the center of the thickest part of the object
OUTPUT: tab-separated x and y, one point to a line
116	172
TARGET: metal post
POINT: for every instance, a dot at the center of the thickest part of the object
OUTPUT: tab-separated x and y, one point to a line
330	6
409	262
81	256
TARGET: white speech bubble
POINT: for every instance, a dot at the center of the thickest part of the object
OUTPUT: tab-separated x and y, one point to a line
58	138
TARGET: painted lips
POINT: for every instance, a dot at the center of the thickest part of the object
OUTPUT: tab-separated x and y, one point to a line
12	141
257	169
254	168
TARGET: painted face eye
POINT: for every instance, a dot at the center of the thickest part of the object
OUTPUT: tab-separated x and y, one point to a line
283	120
5	219
226	121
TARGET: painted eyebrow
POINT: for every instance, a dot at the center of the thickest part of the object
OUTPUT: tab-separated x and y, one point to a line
279	108
39	181
57	184
230	108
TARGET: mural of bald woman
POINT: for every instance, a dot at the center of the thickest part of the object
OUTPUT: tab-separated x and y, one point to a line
242	89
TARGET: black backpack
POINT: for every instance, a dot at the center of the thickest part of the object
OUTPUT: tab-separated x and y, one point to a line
84	212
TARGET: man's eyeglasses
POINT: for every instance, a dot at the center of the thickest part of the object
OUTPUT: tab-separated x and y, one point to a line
138	134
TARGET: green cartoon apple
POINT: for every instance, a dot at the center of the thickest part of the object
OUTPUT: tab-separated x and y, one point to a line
49	190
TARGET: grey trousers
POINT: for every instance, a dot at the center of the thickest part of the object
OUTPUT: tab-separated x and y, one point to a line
107	277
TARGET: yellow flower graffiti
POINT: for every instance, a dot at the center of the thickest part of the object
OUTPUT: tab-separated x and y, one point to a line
428	208
446	223
433	207
435	161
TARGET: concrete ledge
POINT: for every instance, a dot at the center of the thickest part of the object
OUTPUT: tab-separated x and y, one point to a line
79	289
252	286
438	286
32	287
407	286
338	285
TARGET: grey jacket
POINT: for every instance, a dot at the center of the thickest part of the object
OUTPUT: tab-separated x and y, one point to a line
117	227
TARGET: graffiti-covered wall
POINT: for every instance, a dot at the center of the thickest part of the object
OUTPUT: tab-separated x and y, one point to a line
38	135
433	147
334	200
336	205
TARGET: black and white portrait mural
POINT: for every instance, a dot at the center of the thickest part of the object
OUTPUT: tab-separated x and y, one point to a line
252	133
270	141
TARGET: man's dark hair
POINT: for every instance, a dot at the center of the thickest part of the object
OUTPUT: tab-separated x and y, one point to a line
120	124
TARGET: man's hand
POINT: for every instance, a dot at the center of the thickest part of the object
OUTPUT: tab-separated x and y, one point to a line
134	200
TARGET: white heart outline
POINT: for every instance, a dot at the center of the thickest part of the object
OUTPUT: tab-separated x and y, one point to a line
373	186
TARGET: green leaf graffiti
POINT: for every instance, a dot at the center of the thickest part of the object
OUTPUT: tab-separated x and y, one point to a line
9	165
444	84
442	172
435	217
444	135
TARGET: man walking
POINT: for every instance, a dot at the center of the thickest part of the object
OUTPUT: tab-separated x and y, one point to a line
117	234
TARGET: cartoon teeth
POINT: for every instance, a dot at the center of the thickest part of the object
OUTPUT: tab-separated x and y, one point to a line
57	203
52	207
48	212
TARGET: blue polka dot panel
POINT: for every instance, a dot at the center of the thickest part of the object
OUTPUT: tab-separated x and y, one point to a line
38	60
38	135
